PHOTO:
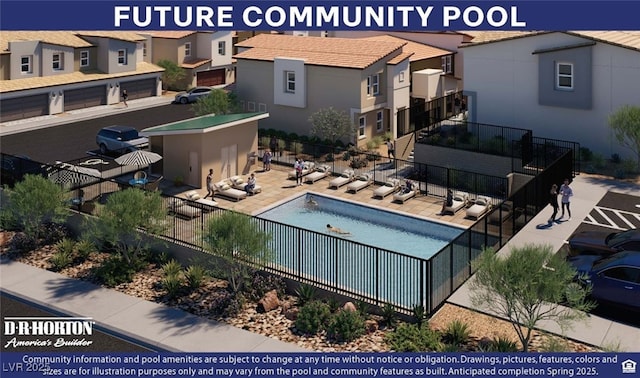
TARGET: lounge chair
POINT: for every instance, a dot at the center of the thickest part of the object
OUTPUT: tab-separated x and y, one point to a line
319	173
391	186
224	189
362	181
307	168
237	182
481	205
201	203
182	208
498	216
345	177
460	200
403	196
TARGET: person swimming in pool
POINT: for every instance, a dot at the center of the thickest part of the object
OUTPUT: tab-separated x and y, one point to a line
337	230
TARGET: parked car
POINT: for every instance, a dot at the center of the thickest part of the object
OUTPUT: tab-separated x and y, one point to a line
614	279
120	139
192	95
604	243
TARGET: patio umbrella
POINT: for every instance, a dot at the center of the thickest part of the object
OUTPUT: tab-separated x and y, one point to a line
139	158
67	174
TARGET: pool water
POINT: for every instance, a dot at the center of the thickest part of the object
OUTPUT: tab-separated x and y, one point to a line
367	225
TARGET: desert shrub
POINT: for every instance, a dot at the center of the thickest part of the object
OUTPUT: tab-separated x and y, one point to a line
313	317
434	139
195	276
630	166
264	141
305	293
61	259
160	258
66	245
498	344
363	308
585	154
346	326
53	232
296	147
598	161
389	315
412	338
619	173
419	314
451	141
264	283
333	303
357	163
22	243
172	283
171	268
329	158
451	348
346	156
457	333
116	270
84	248
616	159
225	303
373	156
554	344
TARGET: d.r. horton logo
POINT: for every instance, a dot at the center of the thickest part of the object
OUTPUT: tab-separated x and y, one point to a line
58	332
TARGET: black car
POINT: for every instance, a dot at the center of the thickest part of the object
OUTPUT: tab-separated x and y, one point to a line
603	243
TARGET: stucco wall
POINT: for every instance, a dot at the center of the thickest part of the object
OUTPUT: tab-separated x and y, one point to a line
464	160
505	77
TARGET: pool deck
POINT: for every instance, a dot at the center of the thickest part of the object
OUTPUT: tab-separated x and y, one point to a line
277	187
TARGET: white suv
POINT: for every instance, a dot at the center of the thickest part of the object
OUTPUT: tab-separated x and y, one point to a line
120	139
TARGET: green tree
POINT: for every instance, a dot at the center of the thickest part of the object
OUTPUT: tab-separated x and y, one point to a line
625	124
34	201
331	124
237	239
527	287
217	102
120	221
172	74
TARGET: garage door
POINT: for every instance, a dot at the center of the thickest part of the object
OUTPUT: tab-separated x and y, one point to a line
85	97
211	78
140	88
24	107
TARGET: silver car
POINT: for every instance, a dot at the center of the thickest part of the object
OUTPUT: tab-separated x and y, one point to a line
120	139
192	95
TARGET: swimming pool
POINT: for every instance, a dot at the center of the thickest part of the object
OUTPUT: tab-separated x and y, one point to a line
385	258
367	225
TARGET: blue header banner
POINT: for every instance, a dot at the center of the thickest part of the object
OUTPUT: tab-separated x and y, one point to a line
319	15
452	365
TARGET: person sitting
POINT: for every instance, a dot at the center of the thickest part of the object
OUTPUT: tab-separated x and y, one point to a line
337	230
448	202
311	202
408	187
251	184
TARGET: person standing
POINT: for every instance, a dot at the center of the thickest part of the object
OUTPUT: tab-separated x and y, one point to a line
125	96
273	144
553	201
299	166
566	192
266	160
391	149
209	184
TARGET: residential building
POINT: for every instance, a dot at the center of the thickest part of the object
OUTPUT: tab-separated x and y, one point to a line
205	56
292	77
50	72
559	84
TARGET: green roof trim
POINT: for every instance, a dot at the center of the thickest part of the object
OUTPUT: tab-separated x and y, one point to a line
202	123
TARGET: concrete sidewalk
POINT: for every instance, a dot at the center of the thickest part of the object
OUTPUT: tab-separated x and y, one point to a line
152	323
588	192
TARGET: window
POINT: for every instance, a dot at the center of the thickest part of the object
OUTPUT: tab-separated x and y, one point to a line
251	106
373	86
623	273
122	57
187	49
564	76
57	61
361	127
379	121
25	64
401	77
446	64
84	58
262	107
144	48
222	48
290	81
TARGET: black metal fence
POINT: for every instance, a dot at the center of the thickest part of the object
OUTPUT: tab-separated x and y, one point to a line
354	269
422	113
